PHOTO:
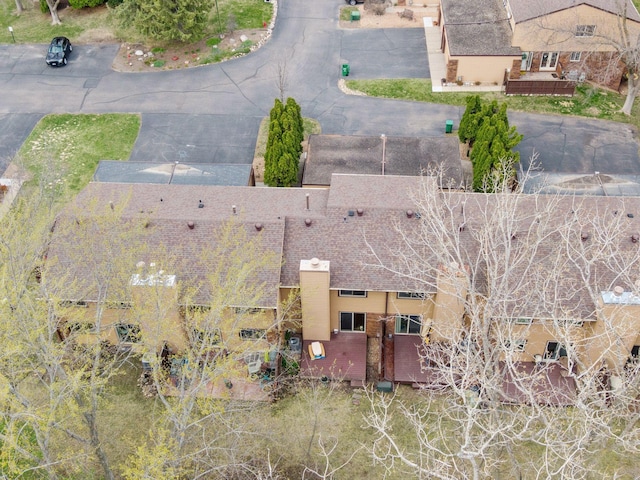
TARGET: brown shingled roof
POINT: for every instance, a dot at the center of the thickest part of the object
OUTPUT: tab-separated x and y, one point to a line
358	226
360	155
524	10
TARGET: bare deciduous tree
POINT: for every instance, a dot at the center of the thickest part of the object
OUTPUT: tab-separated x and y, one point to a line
610	44
525	320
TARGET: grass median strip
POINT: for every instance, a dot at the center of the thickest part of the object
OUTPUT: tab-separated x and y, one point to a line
63	151
588	101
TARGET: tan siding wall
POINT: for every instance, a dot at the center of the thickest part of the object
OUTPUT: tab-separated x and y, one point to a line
556	32
156	311
372	305
484	69
538	334
448	311
314	294
614	335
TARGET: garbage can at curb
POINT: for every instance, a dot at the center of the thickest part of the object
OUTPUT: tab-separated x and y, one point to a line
449	127
355	15
345	69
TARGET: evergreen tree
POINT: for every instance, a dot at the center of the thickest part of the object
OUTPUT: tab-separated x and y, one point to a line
469	122
284	144
180	20
487	128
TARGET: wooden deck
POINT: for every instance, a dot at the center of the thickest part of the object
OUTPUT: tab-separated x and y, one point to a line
543	383
409	354
345	358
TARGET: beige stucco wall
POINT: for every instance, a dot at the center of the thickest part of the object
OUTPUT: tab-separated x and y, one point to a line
448	311
479	69
538	334
484	69
613	335
414	306
315	300
556	31
373	304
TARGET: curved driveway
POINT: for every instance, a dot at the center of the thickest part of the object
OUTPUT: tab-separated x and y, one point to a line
212	113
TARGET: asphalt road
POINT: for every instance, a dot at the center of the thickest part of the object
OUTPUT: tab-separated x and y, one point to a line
211	114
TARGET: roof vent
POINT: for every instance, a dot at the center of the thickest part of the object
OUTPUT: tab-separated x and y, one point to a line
140	265
200	204
111	204
307	222
630	215
409	213
618	291
635	238
191	225
360	212
584	236
351	213
307	199
259	226
234	209
315	262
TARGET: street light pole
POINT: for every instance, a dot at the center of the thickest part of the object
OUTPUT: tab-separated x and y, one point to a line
218	14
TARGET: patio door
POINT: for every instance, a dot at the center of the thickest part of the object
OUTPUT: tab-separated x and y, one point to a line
549	60
526	61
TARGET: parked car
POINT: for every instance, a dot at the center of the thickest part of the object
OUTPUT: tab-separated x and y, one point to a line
59	51
353	2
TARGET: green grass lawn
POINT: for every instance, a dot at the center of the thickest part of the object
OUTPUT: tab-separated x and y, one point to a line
33	26
63	151
588	101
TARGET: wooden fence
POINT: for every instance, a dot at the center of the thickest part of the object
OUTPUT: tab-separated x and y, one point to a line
540	87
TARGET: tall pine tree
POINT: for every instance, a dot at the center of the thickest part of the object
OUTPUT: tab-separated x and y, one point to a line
284	144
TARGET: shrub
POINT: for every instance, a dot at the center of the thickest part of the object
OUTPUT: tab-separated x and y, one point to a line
78	4
378	9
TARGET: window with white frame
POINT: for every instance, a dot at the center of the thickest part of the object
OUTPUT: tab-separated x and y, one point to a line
206	337
515	345
554	351
523	321
248	310
575	56
585	30
252	333
352	321
411	324
128	333
82	327
118	305
412	295
352	293
74	304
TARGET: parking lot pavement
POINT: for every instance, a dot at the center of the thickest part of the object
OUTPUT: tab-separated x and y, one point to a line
168	138
14	129
562	146
385	53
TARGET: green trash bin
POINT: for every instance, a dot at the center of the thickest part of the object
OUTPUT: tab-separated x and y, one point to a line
345	69
355	15
449	127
